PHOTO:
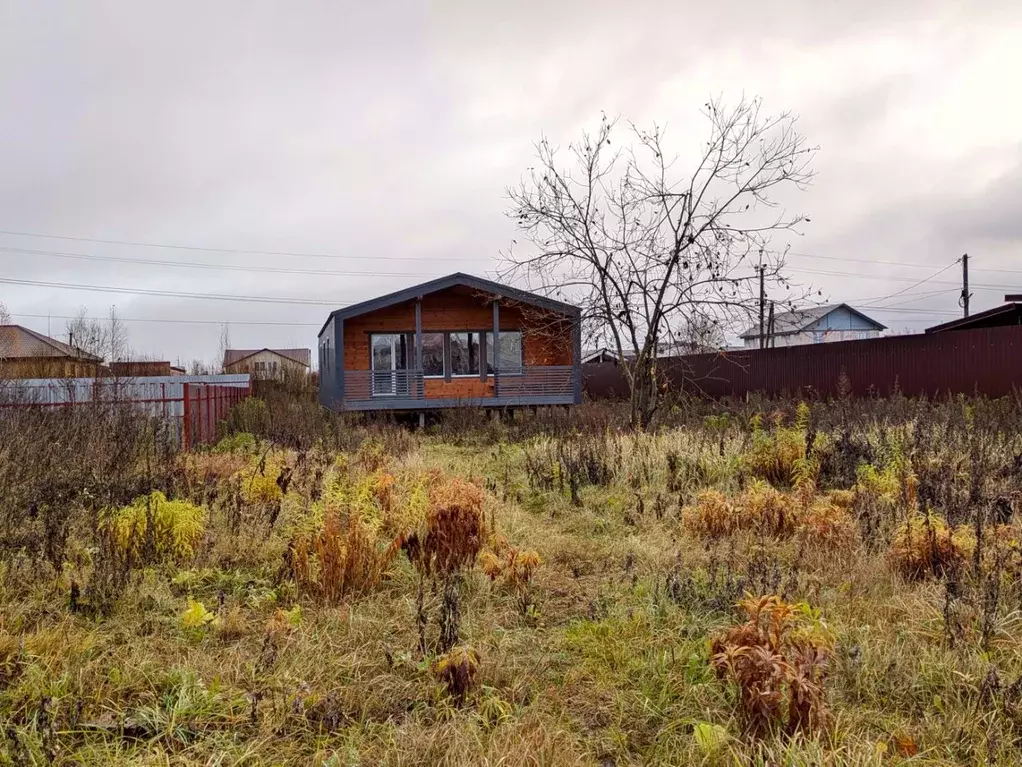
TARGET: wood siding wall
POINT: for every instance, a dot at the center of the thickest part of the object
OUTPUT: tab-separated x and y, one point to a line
47	367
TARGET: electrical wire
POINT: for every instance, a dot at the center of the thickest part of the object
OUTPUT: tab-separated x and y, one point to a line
197	265
173	321
239	251
910	264
174	293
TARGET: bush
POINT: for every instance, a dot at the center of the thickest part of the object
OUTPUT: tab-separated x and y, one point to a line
778	659
829	524
342	560
760	509
926	546
177	528
773	454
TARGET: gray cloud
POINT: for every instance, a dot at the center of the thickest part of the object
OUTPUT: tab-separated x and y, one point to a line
387	130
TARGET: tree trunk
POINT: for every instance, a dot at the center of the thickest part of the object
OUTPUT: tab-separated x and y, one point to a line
644	392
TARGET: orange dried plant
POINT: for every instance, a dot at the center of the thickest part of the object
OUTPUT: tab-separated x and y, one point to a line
778	660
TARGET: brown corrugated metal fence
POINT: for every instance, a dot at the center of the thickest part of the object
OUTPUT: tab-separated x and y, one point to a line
987	361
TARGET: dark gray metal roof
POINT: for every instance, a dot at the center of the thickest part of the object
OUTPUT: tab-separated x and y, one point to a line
450	281
1003	313
798	320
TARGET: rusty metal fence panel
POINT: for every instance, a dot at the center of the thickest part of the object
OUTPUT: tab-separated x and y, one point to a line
986	361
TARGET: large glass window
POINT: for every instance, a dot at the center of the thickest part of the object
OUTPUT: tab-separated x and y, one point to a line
433	355
465	354
509	359
390	359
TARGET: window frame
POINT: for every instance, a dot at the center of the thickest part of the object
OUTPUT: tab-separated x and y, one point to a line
443	354
480	351
511	372
448	373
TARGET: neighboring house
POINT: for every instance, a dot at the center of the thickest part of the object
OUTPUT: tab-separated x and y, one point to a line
816	325
140	369
1009	313
455	341
177	370
267	364
664	349
594	356
27	354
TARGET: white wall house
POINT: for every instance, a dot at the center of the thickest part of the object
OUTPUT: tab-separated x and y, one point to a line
267	364
816	325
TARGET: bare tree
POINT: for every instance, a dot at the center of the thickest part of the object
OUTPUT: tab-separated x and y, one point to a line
5	316
223	345
117	341
648	251
106	339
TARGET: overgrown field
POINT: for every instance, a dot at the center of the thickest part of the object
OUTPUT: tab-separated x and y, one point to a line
773	583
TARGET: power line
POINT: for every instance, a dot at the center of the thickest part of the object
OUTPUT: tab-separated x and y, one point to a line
911	264
175	294
880	298
925	279
173	321
899	279
908	310
238	251
197	265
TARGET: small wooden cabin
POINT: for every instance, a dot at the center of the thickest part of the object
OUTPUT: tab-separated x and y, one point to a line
457	341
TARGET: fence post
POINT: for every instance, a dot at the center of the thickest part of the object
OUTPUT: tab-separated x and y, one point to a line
209	414
186	420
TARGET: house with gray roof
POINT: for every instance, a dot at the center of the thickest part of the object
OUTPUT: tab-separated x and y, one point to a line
816	325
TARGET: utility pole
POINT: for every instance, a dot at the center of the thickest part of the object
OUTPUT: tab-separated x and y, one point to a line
762	307
770	327
965	284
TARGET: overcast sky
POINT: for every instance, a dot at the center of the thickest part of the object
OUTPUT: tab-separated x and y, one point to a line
382	136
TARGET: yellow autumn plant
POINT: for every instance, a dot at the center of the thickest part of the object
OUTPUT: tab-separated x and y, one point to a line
177	526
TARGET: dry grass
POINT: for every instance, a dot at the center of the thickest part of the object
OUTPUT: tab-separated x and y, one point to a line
412	601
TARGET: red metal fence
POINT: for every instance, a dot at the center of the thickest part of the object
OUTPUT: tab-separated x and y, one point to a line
191	409
205	406
987	361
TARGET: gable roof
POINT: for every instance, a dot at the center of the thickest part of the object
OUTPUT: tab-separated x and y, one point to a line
17	342
798	320
301	356
588	355
450	281
1004	313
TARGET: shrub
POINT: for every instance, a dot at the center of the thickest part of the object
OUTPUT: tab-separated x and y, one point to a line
445	546
454	529
259	482
925	545
239	442
342	560
766	511
712	516
760	509
176	528
828	524
773	454
516	569
778	660
458	670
